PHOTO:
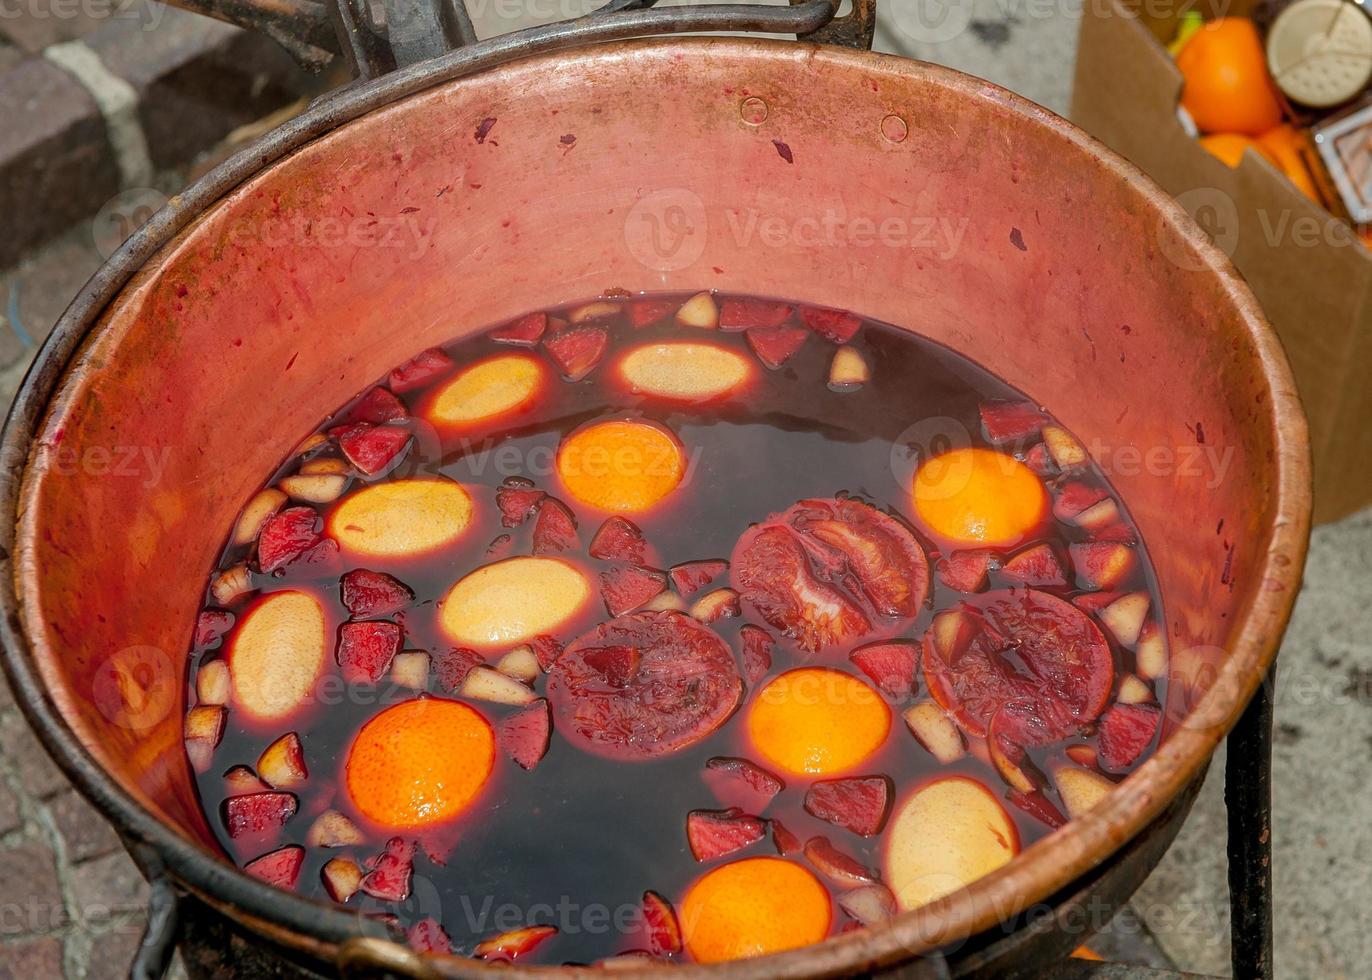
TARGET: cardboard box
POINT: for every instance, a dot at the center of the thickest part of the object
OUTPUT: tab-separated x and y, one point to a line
1309	271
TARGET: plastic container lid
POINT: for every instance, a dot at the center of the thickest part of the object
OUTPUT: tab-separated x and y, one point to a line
1319	52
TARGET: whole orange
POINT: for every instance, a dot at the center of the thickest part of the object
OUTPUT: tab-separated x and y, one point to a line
1229	147
1283	144
1227	89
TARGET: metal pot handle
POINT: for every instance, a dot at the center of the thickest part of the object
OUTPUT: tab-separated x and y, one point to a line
155	950
378	36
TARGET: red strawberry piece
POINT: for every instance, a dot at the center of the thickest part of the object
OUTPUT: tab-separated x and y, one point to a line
1101	564
419	370
365	650
757	652
857	803
715	833
775	347
1094	601
286	536
555	529
745	314
965	571
833	325
280	868
1074	497
501	546
577	352
1037	806
1038	565
367	594
619	540
525	332
644	685
740	783
428	936
1040	461
258	813
547	649
692	576
452	665
891	666
376	406
786	842
517	500
1126	730
664	932
1020	645
372	448
391	870
210	625
1003	422
626	587
524	734
646	312
839	867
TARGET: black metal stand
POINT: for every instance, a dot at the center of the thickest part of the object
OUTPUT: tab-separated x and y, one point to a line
1248	798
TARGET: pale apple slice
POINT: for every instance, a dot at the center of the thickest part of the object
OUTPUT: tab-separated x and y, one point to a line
1080	789
699	311
1134	690
1015	774
333	829
212	683
665	602
596	310
685	372
953	630
315	488
489	389
282	764
513	601
1125	617
716	605
488	684
255	513
1150	656
410	668
326	466
342	878
933	729
240	781
1099	516
231	584
276	655
311	443
402	518
1066	451
521	663
943	837
1082	755
849	370
204	728
871	905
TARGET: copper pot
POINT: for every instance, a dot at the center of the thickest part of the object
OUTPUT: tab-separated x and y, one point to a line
231	324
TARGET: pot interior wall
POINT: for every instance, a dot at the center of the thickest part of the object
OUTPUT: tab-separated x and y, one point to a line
644	168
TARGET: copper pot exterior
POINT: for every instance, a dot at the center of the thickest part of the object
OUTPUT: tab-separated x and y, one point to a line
1073	278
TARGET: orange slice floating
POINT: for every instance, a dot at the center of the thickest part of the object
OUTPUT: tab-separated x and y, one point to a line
401	518
944	836
622	466
420	762
513	601
979	496
753	907
276	655
815	721
685	372
488	390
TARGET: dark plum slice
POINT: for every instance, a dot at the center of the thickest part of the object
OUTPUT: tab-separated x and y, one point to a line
743	784
1018	645
1126	730
644	685
626	587
286	536
453	665
525	332
1038	565
577	352
659	918
366	593
646	312
428	936
376	406
1037	806
619	540
692	576
775	347
372	448
211	624
836	326
892	666
524	734
555	528
965	571
1004	422
419	370
280	868
747	314
856	803
715	833
258	813
517	500
365	650
824	569
841	868
786	842
757	652
390	871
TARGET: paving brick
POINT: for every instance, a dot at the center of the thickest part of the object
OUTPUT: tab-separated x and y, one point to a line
38	959
41	23
113	951
198	79
10	56
34	767
44	284
106	888
30	897
10	817
55	162
87	833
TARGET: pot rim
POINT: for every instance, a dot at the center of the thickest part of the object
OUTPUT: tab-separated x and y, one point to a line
1041	870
